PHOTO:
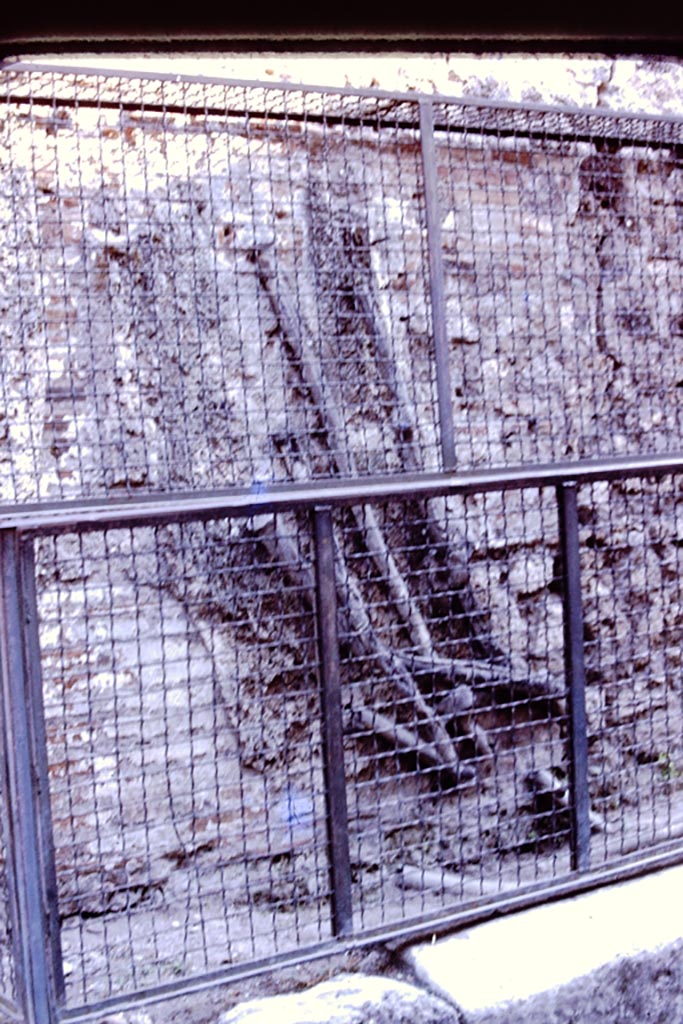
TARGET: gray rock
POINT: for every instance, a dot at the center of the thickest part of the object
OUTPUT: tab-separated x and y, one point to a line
347	999
632	990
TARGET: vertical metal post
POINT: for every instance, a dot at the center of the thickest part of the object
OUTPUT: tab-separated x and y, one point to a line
332	729
436	285
29	924
46	851
576	676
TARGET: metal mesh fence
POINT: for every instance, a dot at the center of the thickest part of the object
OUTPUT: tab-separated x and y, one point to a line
562	273
183	717
441	676
183	724
183	709
197	297
208	285
632	609
189	786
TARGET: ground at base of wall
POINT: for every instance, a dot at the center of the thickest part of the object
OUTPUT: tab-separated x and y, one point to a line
210	1005
611	956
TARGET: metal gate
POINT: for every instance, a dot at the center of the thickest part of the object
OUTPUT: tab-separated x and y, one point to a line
342	522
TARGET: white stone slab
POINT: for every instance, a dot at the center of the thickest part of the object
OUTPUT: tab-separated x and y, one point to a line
574	950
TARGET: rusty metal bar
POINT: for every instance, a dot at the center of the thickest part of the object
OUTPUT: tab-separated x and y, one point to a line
566	121
576	676
38	738
436	286
30	925
51	518
332	726
9	1001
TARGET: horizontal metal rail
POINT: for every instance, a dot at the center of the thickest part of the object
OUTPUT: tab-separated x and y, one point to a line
155	509
609	124
152	510
478	103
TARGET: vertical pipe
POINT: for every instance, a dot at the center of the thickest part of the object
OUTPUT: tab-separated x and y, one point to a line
575	674
436	285
40	762
29	923
10	1001
332	730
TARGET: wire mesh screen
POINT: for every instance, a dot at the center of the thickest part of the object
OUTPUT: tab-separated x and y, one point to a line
456	715
562	268
182	716
201	298
208	284
183	722
632	536
189	784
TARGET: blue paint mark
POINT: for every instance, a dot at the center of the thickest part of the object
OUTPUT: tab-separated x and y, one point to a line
295	808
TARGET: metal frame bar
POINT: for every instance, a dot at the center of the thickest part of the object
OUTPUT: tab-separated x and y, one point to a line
576	676
575	114
436	286
52	518
10	1007
40	760
332	725
30	924
372	121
